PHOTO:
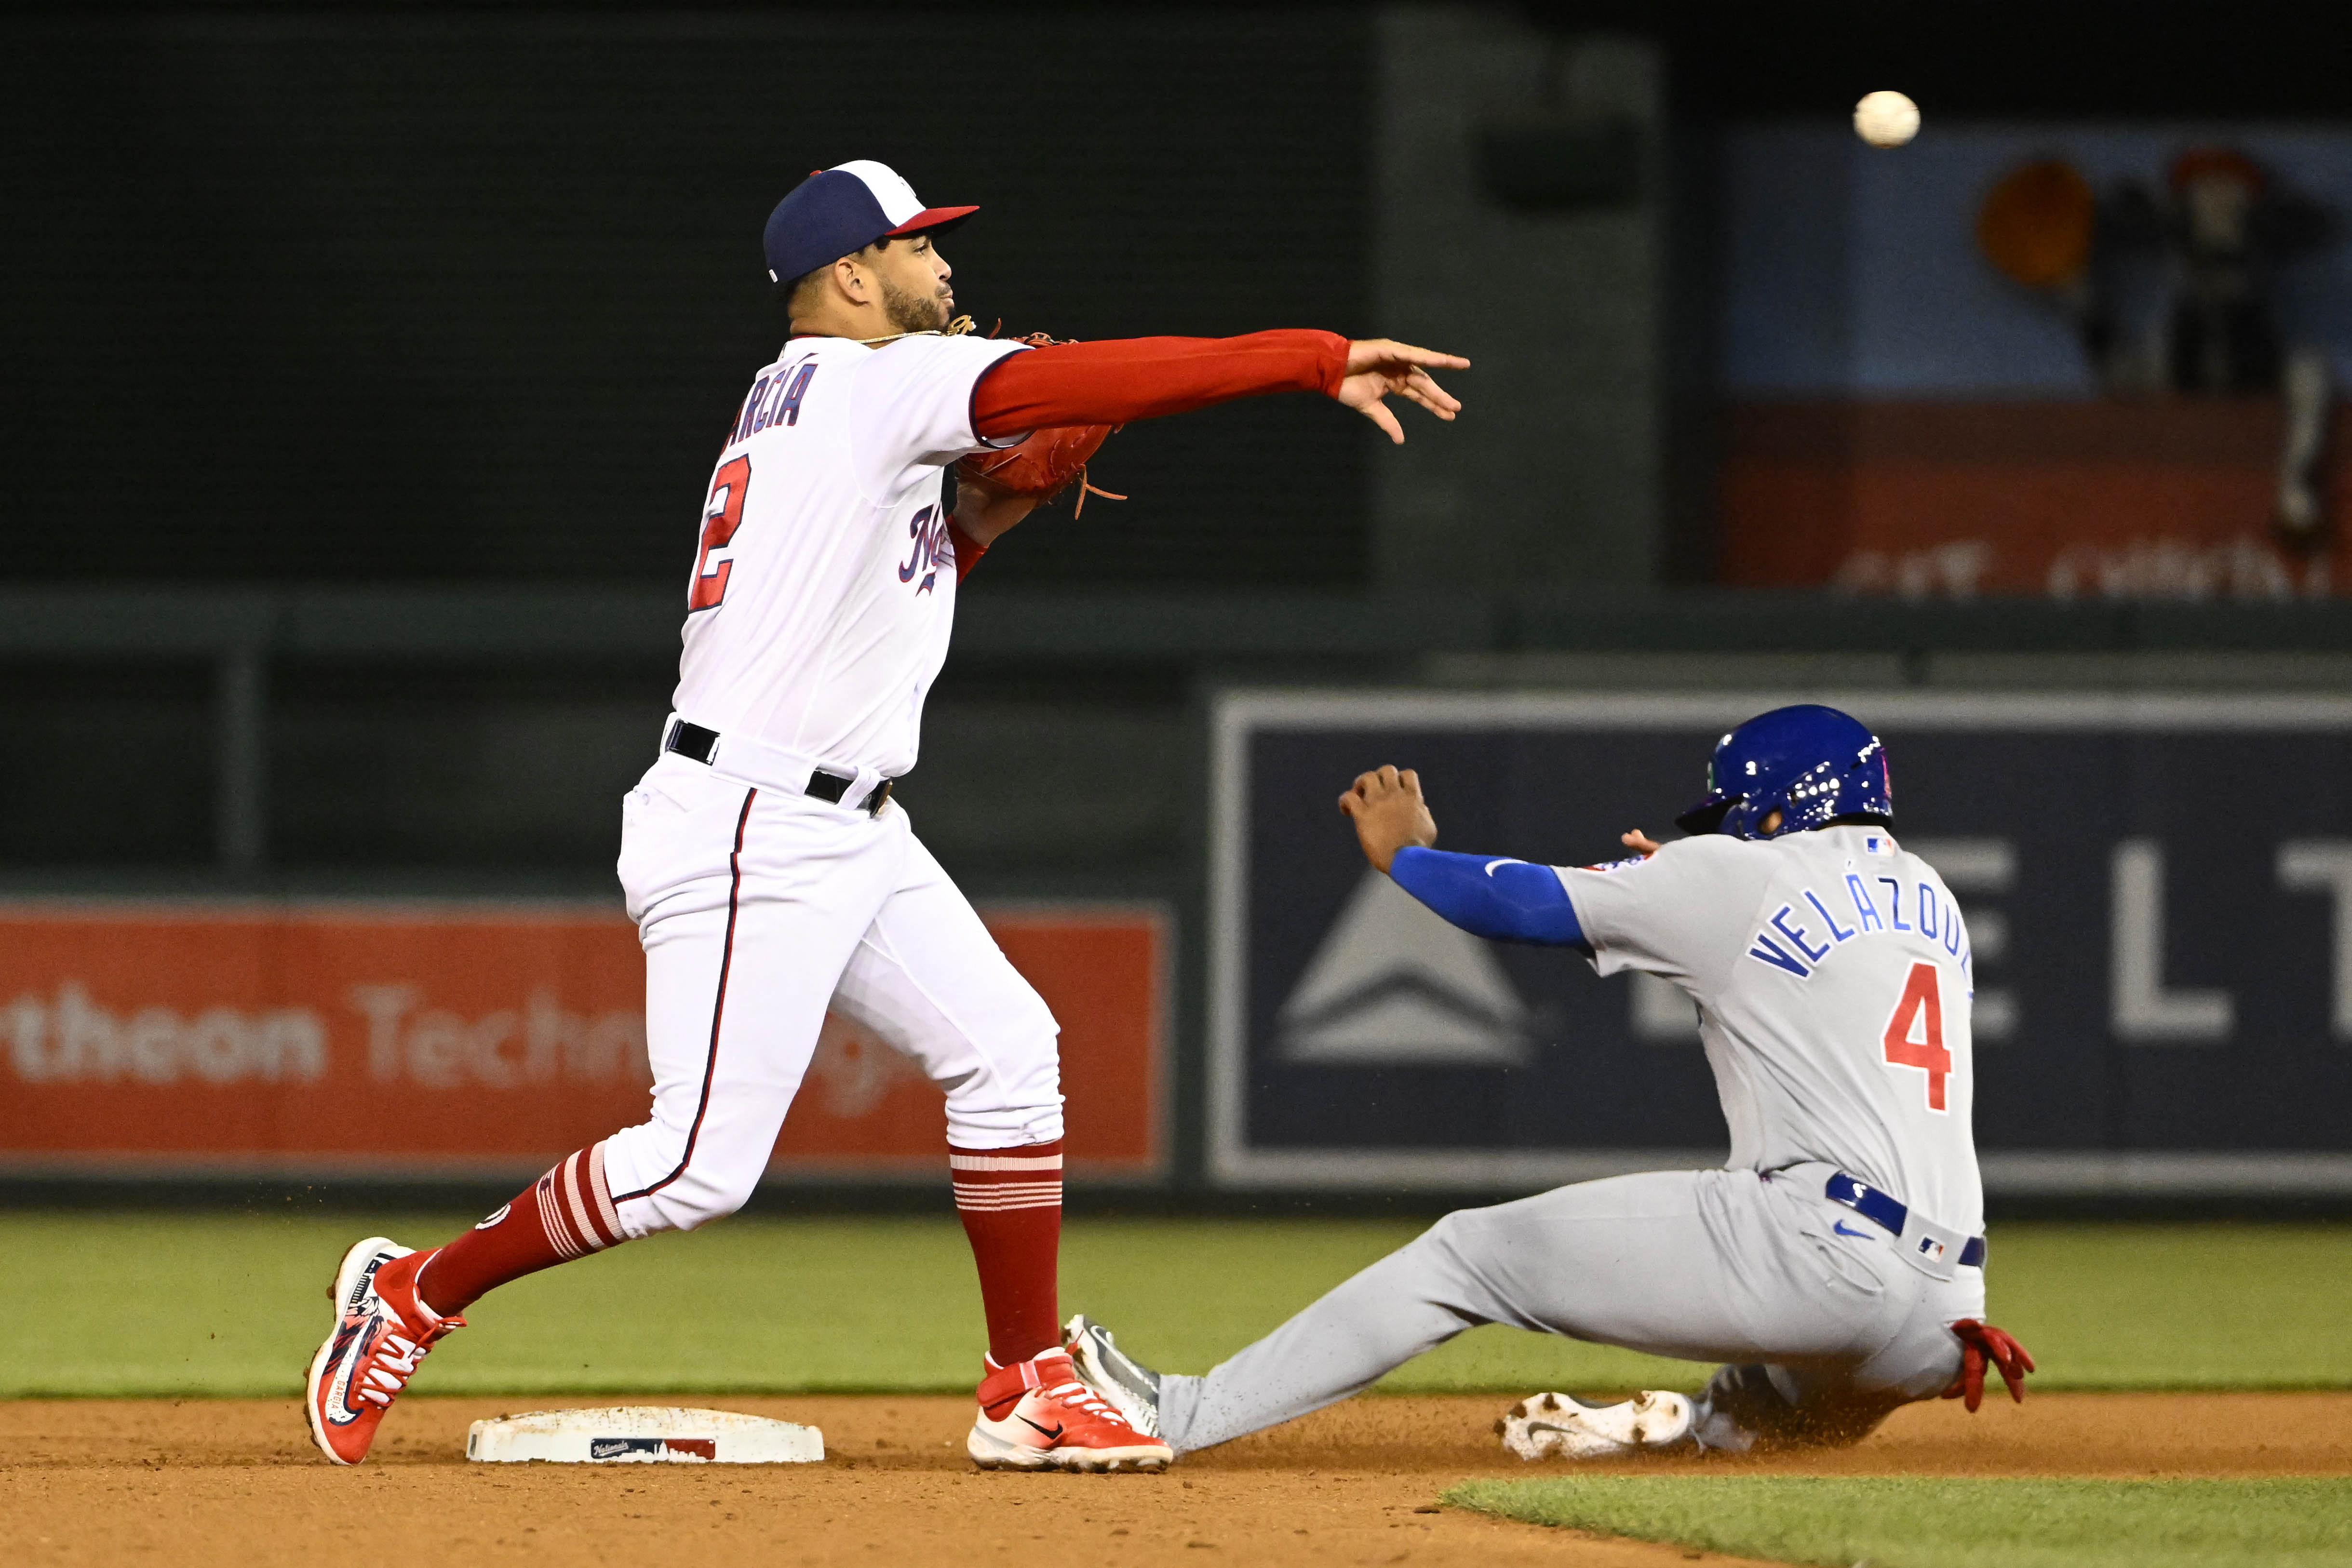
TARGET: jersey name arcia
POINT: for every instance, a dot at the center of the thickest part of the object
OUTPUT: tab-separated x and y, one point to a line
823	590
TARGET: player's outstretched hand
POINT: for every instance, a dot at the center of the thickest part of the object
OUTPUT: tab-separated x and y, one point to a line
1640	842
1982	1343
1388	813
1380	366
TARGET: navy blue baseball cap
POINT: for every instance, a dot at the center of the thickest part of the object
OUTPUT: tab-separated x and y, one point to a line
838	211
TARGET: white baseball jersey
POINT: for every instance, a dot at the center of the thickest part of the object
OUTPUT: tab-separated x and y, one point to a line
822	598
1832	972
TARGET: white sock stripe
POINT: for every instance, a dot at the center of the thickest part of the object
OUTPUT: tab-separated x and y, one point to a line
997	1205
552	1218
567	1194
575	1204
577	1200
601	1190
1008	1189
958	1162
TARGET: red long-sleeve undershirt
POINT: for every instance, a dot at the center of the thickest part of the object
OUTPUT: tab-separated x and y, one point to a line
1122	378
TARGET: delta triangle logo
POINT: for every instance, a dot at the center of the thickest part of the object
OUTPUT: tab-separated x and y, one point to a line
1394	986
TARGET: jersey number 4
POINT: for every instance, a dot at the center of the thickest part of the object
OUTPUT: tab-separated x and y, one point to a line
719	520
1914	1035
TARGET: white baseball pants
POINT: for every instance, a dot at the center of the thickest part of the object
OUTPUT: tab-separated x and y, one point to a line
759	910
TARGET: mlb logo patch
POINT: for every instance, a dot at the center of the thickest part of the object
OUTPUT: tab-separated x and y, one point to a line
1931	1250
1878	844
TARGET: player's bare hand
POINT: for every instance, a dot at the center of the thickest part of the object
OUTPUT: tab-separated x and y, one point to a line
1640	842
984	510
1388	814
1380	367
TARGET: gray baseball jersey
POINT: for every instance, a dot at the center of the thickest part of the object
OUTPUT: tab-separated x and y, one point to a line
1832	972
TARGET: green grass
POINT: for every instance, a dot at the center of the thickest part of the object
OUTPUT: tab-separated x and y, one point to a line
226	1304
2178	1306
1911	1522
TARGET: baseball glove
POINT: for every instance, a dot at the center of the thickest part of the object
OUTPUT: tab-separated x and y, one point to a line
1043	465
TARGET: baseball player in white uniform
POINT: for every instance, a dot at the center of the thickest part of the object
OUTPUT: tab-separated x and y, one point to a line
1835	1263
770	873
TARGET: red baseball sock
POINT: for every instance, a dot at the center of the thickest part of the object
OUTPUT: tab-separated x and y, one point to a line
1011	1202
565	1214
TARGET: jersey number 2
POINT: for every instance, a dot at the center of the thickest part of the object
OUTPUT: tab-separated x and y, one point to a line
719	521
1914	1035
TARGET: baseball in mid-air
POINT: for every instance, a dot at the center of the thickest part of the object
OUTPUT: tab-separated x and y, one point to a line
1886	119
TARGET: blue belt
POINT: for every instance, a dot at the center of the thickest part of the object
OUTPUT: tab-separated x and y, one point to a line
1889	1213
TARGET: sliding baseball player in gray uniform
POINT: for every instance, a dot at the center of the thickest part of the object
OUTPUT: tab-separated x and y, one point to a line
1835	1264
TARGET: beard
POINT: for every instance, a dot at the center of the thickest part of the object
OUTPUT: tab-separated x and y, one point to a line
912	312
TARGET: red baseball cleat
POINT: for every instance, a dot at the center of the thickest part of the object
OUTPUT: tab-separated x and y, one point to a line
1037	1415
381	1332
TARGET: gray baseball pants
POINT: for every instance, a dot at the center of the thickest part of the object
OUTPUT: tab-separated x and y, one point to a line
1827	1330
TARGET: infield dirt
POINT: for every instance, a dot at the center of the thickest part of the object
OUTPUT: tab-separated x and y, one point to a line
236	1484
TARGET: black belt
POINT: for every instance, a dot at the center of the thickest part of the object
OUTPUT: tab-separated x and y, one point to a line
697	743
1889	1212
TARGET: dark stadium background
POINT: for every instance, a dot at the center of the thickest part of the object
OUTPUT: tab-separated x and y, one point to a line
362	366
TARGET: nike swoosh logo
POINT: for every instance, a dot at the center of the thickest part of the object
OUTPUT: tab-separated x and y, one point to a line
1504	861
1839	1226
1053	1436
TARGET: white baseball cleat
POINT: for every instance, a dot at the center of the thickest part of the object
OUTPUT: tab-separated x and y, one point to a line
1547	1424
1132	1388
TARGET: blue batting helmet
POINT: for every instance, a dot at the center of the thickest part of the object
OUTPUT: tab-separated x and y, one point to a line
1810	764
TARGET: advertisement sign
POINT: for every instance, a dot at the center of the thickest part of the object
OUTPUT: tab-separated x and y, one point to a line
2158	891
2169	499
478	1040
